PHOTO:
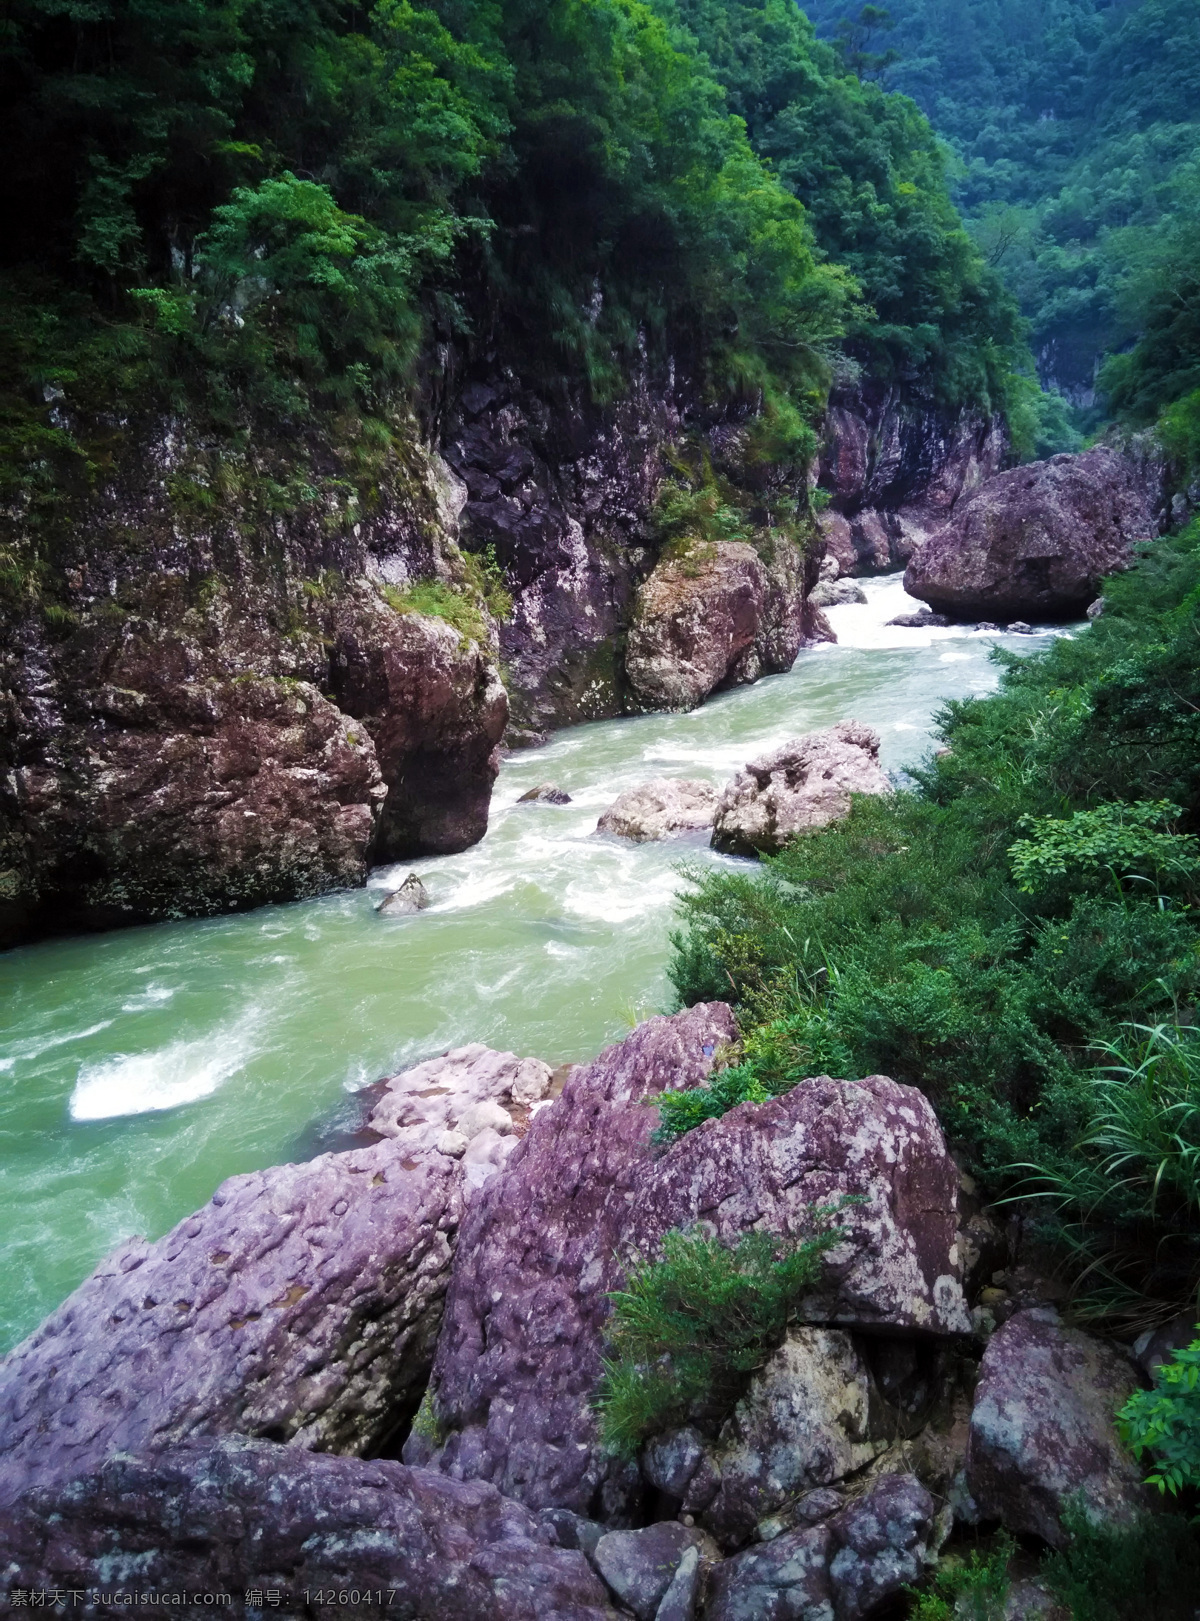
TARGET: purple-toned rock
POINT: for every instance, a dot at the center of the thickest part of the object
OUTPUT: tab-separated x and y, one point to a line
238	1515
1042	1428
1035	542
803	785
640	1566
841	1569
681	1599
882	1541
302	1303
412	896
520	1357
545	794
660	809
472	1103
803	1423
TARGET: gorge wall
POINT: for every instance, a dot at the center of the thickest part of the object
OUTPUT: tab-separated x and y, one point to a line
238	699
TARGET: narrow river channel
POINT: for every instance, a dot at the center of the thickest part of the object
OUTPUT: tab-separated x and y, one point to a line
140	1068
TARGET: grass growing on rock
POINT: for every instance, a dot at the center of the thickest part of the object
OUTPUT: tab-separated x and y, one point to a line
689	1327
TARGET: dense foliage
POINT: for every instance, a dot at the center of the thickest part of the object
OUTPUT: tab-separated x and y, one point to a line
872	177
1076	124
244	212
990	934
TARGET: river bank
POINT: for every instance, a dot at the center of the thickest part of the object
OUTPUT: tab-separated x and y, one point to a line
140	1068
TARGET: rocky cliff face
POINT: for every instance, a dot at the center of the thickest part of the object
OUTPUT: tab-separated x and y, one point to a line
235	695
226	707
893	471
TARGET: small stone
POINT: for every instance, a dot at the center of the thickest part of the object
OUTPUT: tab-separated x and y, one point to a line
924	620
545	794
412	896
679	1600
1019	628
452	1143
1096	608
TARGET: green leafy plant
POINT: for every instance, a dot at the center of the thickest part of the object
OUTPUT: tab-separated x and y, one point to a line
1165	1422
972	1589
1125	1573
1121	840
437	600
680	1112
690	1326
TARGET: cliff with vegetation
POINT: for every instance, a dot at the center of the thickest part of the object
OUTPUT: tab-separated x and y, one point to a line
360	371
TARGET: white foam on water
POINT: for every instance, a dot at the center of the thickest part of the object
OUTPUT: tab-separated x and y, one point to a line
27	1050
144	1083
152	996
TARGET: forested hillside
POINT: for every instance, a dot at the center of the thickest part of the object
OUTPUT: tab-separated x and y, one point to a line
1076	126
241	210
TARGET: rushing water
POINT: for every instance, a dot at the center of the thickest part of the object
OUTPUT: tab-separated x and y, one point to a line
140	1068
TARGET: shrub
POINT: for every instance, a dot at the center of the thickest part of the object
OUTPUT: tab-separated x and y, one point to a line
973	1589
689	1327
1165	1422
679	1112
1127	1195
1126	1573
437	600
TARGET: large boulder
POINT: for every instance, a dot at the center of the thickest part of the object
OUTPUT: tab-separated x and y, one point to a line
520	1357
715	618
435	707
302	1304
803	785
236	1516
473	1102
660	809
841	1569
1043	1431
1035	542
803	1423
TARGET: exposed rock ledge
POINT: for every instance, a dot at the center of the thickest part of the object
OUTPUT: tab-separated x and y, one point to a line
142	1426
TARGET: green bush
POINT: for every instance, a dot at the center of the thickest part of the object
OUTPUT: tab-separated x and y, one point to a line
989	934
690	1327
679	1112
1165	1422
1126	1573
973	1589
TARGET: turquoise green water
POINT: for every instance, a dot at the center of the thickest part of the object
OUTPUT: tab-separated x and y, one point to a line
138	1069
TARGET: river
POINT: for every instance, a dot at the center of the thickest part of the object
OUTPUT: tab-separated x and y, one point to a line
140	1068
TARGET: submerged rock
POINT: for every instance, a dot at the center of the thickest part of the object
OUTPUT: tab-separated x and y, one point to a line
1043	1429
544	794
803	785
241	1515
1036	542
660	809
924	620
302	1303
520	1357
412	896
836	593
